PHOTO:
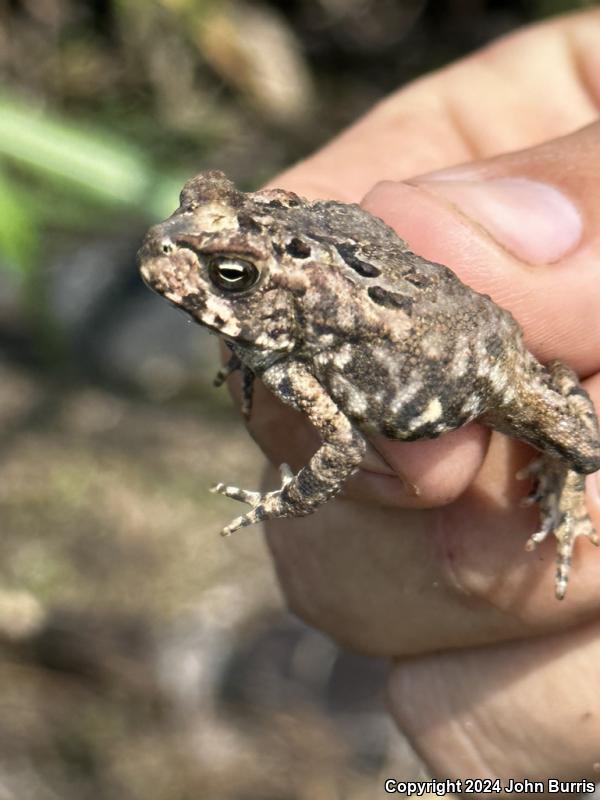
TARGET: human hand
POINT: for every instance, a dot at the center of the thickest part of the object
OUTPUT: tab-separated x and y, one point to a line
394	574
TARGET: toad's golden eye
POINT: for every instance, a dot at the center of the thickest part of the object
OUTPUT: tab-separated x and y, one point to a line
232	274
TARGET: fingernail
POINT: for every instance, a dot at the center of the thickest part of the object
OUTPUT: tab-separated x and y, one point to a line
533	220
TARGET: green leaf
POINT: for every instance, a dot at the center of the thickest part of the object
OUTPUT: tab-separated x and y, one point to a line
101	166
19	239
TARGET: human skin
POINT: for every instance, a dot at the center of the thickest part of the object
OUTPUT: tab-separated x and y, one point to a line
490	670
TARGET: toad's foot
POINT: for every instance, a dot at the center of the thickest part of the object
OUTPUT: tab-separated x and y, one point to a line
263	506
560	493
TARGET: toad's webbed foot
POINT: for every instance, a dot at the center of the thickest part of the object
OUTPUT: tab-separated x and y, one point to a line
560	493
263	506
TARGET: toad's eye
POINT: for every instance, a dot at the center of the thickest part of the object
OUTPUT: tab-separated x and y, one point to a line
232	274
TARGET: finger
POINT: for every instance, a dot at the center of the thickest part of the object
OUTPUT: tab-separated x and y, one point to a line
520	710
494	101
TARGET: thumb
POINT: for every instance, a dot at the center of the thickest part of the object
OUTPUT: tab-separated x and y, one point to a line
523	227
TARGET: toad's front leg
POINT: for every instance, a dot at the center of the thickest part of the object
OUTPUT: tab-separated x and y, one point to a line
336	459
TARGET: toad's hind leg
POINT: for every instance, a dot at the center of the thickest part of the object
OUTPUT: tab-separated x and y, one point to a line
559	489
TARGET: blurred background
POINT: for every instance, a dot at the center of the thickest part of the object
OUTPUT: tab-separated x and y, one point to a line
140	655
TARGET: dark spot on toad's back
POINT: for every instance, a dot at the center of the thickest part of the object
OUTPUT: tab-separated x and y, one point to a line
248	223
494	345
388	299
577	390
285	388
291	201
347	252
297	248
417	279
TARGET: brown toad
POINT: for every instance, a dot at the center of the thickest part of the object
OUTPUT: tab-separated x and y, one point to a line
340	320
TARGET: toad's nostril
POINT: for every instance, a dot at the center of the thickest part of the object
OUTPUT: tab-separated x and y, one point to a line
167	246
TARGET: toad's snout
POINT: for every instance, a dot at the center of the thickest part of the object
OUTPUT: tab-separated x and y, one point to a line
156	247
